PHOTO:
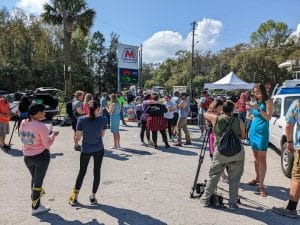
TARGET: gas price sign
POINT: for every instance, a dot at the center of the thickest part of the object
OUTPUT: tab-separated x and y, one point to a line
128	75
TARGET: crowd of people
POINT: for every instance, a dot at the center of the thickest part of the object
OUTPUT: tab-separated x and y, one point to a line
247	120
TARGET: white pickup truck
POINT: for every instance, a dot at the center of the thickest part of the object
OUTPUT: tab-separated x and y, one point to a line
278	138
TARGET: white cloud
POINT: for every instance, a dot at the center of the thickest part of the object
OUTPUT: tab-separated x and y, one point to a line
164	44
32	6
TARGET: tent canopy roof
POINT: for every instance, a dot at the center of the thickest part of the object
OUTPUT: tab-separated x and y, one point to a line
229	82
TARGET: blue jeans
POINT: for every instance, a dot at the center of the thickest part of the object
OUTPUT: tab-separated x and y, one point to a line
242	116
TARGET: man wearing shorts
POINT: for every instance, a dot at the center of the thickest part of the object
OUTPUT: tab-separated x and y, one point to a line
293	140
4	122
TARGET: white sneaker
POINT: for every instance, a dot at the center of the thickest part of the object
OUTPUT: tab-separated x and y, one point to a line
119	147
114	147
39	210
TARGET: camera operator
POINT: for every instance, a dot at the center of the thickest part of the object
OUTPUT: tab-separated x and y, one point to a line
4	122
234	163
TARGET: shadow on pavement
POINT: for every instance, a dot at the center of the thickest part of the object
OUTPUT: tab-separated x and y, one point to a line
15	152
54	155
117	155
265	216
19	153
126	216
134	151
53	218
176	150
281	193
258	211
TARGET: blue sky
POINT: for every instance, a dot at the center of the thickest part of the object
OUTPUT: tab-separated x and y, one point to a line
164	26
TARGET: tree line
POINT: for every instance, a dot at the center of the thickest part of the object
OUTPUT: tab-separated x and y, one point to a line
49	49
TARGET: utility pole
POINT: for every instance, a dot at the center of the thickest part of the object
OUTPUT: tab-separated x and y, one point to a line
141	67
193	45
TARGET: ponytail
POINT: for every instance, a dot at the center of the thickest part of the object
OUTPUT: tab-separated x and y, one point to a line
93	106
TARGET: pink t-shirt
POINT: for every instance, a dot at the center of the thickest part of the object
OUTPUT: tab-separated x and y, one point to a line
241	105
35	137
85	108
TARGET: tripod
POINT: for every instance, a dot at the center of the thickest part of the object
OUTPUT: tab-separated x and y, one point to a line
199	188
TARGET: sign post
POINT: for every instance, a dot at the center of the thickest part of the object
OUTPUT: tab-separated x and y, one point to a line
127	64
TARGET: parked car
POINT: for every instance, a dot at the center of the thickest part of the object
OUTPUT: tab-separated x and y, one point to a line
48	97
2	92
278	138
288	87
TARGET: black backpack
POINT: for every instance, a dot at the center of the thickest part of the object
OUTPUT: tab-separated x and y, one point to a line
156	110
229	144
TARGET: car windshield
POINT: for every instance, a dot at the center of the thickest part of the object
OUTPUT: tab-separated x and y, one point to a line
288	102
290	90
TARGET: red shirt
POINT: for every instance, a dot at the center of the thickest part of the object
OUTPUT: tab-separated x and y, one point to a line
241	105
4	111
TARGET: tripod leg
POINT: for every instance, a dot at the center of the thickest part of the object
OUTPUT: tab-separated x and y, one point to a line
12	132
201	158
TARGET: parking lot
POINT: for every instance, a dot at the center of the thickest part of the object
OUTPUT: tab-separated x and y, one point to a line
139	185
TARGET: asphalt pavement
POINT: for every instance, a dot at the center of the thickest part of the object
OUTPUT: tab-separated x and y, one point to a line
139	186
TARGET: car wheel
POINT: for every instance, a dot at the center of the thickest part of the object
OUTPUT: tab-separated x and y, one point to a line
287	159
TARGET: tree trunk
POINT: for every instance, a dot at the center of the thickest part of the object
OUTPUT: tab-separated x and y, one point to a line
67	53
68	69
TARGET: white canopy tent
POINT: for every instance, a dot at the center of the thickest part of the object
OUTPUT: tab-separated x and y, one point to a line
229	82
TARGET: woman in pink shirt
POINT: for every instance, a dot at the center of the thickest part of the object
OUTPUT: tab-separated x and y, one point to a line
87	98
241	107
36	140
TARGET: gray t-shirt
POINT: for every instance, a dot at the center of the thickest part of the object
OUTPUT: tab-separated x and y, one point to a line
75	105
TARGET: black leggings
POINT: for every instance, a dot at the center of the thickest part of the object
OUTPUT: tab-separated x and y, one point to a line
143	129
84	162
163	134
170	123
37	166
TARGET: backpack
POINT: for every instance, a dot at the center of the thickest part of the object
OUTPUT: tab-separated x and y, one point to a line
229	144
156	110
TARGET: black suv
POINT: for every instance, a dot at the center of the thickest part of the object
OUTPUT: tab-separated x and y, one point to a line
48	97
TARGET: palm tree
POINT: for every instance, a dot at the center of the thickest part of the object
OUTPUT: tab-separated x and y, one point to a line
72	14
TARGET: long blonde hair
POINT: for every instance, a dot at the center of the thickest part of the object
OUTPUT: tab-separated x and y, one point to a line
113	98
87	98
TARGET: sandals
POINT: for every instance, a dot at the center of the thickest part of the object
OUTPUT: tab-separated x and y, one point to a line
262	191
253	182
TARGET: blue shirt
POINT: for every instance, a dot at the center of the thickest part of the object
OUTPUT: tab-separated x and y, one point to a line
103	102
184	112
293	117
91	133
